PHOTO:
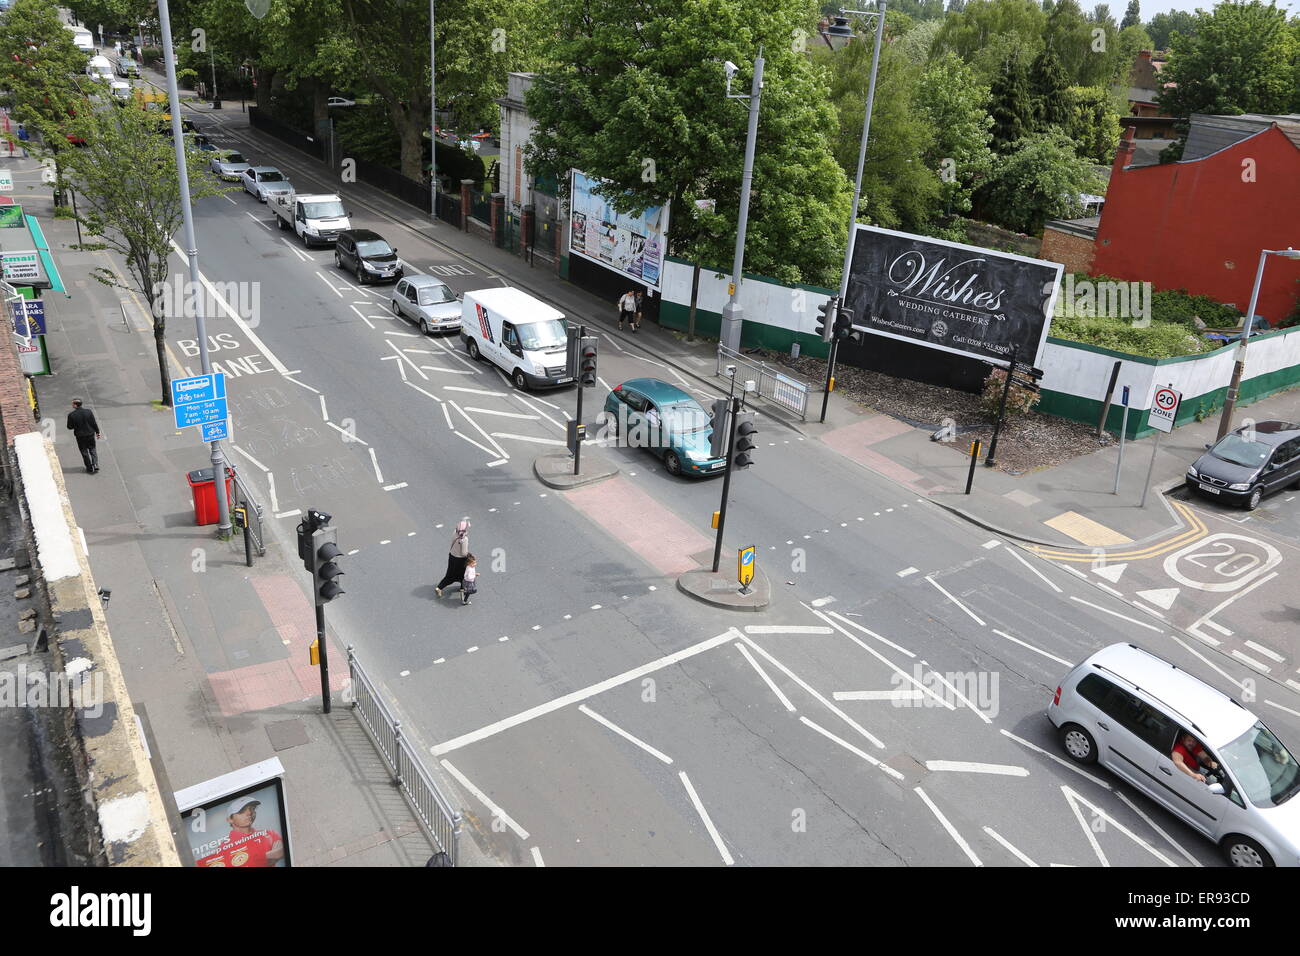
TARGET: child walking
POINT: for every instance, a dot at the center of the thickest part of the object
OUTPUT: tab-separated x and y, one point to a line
470	583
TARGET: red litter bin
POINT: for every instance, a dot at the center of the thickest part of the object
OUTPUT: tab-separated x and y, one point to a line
204	489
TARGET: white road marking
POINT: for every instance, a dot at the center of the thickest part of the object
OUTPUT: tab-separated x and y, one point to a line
1205	660
423	392
1295	713
658	755
484	799
289	514
446	413
1075	571
952	830
538	411
1075	799
528	438
850	748
1251	662
270	492
821	601
500	451
604	384
961	697
398	352
379	475
1104	610
1108	589
1111	572
1260	649
704	815
324	415
491	411
987	545
472	391
1218	627
390	541
302	257
400	484
256	220
480	447
1046	580
611	341
361	316
878	695
1150	610
404	335
888	663
906	571
1061	760
330	285
537	856
964	766
347	435
1015	640
744	651
1009	848
1151	823
973	616
493	464
826	703
249	457
468	650
870	633
787	629
457	356
585	693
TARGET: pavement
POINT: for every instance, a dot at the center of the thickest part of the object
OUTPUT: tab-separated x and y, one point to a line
582	711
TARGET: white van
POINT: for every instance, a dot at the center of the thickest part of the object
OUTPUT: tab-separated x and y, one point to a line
82	39
100	68
523	336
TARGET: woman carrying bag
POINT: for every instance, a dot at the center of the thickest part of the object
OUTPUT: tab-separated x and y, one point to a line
456	556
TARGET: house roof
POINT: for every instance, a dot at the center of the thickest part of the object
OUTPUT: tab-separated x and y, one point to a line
1137	94
1208	134
1085	228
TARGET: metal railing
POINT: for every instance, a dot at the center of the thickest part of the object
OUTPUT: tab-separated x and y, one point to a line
440	822
785	390
254	529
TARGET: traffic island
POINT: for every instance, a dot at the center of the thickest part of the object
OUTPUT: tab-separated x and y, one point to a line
721	589
556	470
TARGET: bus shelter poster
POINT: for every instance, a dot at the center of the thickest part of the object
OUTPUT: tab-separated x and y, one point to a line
631	244
247	829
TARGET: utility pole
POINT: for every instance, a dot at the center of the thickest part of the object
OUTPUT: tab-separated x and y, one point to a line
733	315
734	413
218	457
433	114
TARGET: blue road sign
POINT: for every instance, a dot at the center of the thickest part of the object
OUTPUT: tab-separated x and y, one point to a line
199	401
201	413
215	431
1124	399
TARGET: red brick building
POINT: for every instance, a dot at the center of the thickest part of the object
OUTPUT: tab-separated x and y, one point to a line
1200	224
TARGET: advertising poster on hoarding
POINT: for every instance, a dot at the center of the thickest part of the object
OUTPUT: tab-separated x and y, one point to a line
248	827
632	245
951	296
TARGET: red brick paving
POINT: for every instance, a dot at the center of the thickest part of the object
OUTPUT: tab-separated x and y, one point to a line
648	529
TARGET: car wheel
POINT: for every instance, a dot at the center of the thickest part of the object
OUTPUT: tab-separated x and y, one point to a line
281	222
1295	485
397	309
472	348
1244	852
338	261
424	327
673	463
1253	501
1078	743
521	383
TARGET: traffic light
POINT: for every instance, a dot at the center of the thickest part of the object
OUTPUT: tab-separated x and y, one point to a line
844	330
325	551
718	440
306	528
828	310
587	362
742	454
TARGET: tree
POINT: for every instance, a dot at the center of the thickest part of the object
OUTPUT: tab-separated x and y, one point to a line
956	6
987	32
1091	123
130	198
1132	41
1047	85
1011	105
916	44
1085	47
628	94
1240	60
1164	25
1133	15
952	101
1041	178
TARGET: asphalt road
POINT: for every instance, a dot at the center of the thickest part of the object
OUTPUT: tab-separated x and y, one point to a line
887	709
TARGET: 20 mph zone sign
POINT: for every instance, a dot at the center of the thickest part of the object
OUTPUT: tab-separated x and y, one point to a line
1164	408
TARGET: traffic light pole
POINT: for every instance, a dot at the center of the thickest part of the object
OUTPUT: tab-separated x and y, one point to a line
726	482
324	658
830	377
577	374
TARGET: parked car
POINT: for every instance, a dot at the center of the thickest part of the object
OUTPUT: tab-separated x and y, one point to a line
368	255
428	302
127	67
261	181
1130	711
201	143
228	164
663	419
121	90
1246	464
340	101
99	68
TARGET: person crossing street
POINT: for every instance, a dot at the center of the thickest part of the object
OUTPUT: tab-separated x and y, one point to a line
457	555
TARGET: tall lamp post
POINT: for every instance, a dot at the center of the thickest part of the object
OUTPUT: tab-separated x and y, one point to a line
1238	369
218	457
732	313
433	114
837	32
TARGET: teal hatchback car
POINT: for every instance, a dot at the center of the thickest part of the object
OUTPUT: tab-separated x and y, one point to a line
647	413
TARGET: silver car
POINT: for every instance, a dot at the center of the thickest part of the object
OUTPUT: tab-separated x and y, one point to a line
428	302
229	164
1195	751
263	181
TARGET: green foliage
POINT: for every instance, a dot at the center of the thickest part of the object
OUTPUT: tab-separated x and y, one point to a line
1164	25
1132	15
1091	123
1242	59
1158	340
1047	85
1040	179
986	33
41	68
953	102
1020	401
917	42
1011	105
1132	41
1178	306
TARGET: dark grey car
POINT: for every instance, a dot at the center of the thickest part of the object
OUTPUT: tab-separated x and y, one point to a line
1249	463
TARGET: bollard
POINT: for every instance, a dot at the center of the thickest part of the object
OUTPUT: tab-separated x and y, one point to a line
974	457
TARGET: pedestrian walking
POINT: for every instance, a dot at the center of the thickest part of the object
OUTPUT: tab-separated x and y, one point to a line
117	47
85	429
23	137
456	558
469	583
636	322
626	309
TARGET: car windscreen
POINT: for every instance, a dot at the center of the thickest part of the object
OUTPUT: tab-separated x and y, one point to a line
1239	451
1265	769
436	295
232	158
542	335
685	418
323	210
374	247
270	177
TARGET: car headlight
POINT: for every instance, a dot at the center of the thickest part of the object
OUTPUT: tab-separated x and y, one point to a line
1239	486
693	455
370	266
310	230
1191	472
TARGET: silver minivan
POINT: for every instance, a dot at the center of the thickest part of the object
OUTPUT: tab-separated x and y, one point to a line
1130	711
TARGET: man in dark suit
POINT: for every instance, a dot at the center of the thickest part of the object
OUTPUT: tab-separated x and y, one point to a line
85	429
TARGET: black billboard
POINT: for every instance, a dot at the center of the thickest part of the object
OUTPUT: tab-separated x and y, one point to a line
944	295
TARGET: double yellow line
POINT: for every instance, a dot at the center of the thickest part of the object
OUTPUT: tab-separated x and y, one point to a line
1196	530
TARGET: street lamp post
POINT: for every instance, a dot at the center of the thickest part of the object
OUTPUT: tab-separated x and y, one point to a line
433	115
218	457
1239	368
879	14
732	313
216	98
